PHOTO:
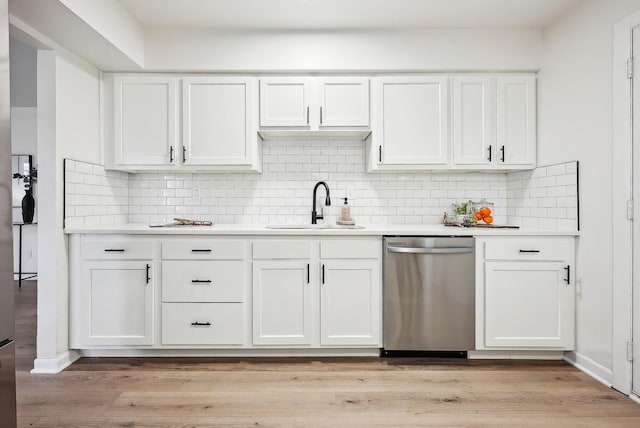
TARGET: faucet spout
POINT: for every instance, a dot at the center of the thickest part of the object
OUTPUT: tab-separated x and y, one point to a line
314	214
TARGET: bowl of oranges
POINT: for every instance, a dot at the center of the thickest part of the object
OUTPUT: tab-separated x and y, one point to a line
482	211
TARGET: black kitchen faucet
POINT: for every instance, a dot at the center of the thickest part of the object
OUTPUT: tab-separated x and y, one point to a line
314	215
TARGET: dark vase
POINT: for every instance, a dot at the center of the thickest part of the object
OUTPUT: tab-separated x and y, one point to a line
28	206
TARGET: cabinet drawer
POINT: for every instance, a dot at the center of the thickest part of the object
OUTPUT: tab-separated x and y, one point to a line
282	249
203	249
202	324
116	249
547	249
350	249
203	281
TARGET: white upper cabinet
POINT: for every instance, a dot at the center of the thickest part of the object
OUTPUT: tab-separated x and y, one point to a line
473	120
285	101
516	118
217	124
343	101
144	120
312	104
411	122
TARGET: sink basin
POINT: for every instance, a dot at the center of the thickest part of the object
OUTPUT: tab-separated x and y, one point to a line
311	226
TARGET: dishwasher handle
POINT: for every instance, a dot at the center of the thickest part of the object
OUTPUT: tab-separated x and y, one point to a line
422	250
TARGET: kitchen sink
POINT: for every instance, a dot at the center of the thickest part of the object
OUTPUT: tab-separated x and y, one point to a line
311	226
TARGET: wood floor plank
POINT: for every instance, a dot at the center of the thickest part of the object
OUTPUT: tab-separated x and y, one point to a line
308	392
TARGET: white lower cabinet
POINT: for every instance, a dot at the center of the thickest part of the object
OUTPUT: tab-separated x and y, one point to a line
204	283
202	324
525	293
112	291
317	293
203	292
349	302
282	302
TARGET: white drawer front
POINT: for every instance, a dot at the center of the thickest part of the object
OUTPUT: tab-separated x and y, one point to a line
203	281
546	249
202	324
116	249
282	249
350	249
202	249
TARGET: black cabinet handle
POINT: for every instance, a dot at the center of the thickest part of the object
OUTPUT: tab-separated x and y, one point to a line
200	251
170	154
308	278
201	281
489	159
184	154
200	324
323	273
320	115
379	153
529	251
148	272
114	250
568	278
502	153
307	115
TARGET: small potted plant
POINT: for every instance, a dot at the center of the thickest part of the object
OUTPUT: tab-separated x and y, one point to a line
28	203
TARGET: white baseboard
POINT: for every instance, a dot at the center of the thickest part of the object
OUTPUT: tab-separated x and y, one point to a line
514	355
54	365
590	367
350	352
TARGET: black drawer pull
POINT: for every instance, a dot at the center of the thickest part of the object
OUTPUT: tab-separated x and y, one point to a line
201	281
529	251
200	324
200	251
114	250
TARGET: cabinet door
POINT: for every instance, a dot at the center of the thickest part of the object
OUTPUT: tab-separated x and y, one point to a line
343	101
282	302
350	303
118	303
144	120
217	121
528	305
516	134
474	119
285	101
414	120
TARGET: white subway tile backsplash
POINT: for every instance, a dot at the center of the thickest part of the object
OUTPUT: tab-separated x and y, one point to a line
545	196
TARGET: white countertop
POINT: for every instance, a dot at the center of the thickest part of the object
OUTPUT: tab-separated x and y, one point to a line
369	230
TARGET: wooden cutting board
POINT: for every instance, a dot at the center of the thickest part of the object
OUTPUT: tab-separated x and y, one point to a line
487	226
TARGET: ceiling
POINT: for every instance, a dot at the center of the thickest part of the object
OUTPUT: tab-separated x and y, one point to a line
345	14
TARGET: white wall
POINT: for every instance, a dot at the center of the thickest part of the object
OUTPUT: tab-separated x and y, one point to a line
451	50
24	140
575	122
68	126
23	74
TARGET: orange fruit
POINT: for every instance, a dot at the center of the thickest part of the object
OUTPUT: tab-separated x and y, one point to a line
485	211
487	219
477	215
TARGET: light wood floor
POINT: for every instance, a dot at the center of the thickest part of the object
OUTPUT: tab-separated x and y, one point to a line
308	392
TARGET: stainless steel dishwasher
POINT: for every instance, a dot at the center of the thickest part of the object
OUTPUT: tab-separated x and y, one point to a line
429	296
